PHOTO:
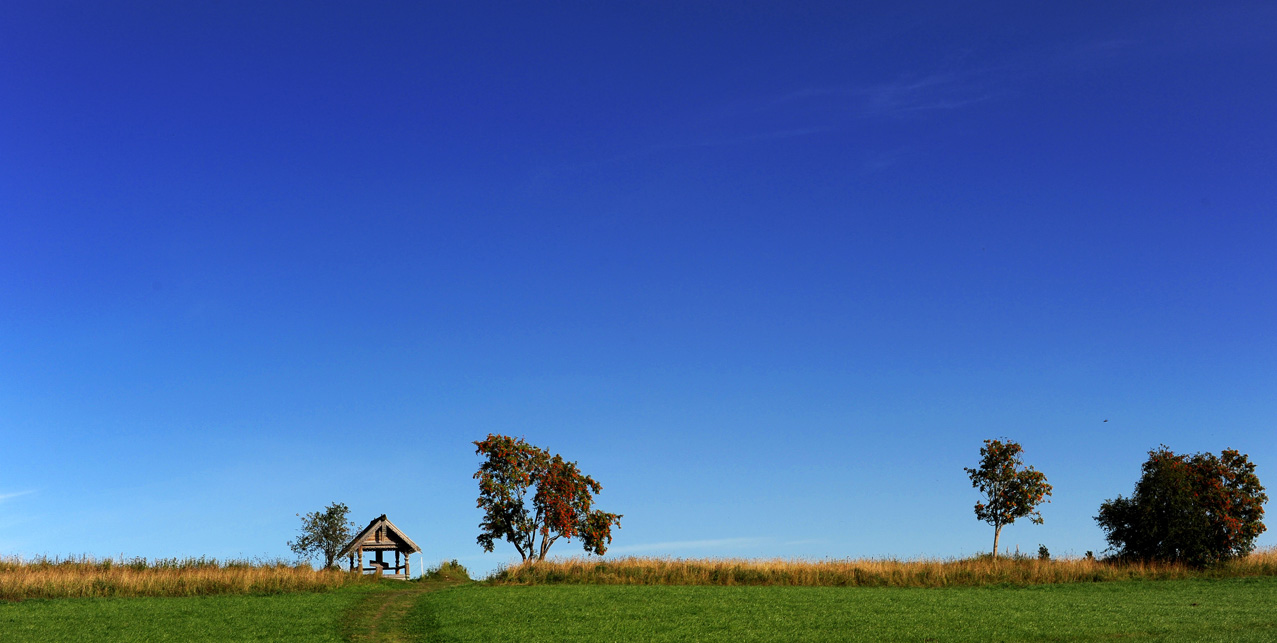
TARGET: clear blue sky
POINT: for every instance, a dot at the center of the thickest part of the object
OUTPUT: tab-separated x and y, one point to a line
770	272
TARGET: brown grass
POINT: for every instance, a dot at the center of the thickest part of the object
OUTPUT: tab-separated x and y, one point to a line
865	573
86	577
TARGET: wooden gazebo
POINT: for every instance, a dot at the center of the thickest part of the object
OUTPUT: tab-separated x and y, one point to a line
381	536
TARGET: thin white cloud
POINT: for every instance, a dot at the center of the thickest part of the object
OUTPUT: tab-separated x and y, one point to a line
653	150
748	138
815	110
807	541
1100	48
939	91
15	494
674	545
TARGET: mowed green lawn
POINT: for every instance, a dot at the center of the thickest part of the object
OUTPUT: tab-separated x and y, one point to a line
302	617
1225	610
1219	610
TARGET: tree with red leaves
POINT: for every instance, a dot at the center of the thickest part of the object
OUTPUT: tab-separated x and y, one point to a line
1198	509
562	499
1011	491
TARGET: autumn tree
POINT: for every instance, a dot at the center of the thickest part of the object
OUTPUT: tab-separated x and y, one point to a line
324	533
1198	509
532	499
1011	490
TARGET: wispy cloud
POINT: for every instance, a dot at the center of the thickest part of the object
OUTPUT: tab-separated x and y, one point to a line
1091	53
807	541
907	94
674	545
15	494
1100	48
653	150
952	84
774	135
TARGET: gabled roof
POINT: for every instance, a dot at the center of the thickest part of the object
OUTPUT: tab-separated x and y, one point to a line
391	530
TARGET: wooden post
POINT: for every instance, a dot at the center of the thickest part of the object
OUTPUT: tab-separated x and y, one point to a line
352	561
397	570
407	565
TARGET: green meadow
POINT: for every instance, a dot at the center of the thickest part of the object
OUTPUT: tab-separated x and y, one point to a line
1230	609
301	617
1216	610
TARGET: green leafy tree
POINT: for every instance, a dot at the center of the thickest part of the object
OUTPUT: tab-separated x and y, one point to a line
1198	509
531	499
324	533
1011	490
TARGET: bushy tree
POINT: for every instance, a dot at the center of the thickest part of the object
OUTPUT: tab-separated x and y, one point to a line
562	498
1011	491
324	532
1198	509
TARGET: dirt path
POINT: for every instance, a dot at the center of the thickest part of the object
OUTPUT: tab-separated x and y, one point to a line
379	617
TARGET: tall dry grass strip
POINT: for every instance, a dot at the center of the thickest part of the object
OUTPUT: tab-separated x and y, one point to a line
86	577
865	573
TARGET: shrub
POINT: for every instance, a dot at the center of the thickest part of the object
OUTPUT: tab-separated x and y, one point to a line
447	570
1196	509
1043	553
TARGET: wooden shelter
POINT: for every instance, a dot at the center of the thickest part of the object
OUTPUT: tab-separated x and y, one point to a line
379	537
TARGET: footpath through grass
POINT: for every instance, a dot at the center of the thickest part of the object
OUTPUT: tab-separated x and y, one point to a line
381	617
1226	610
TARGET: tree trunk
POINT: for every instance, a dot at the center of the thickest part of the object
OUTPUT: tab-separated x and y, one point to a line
997	531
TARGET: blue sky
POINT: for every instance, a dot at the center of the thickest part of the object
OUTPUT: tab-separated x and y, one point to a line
770	272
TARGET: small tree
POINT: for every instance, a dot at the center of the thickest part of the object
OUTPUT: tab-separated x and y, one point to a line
1011	491
561	504
1197	509
323	532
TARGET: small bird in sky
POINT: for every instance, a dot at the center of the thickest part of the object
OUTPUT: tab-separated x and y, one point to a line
1106	419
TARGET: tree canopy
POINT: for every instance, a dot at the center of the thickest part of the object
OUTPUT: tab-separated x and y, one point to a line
1011	491
323	533
1198	509
512	474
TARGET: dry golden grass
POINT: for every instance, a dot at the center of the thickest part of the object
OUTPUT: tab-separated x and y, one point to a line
867	573
85	577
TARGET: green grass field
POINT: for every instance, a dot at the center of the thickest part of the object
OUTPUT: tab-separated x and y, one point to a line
1184	610
1198	610
301	617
